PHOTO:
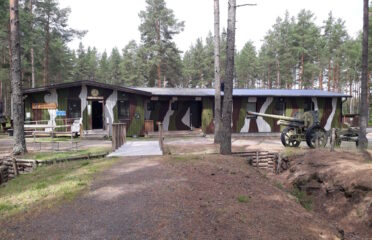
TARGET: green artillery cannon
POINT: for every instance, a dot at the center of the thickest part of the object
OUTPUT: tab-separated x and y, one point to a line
302	127
349	134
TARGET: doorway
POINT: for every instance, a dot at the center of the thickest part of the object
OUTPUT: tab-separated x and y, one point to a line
97	114
195	114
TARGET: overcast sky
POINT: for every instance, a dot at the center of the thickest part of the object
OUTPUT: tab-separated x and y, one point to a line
113	23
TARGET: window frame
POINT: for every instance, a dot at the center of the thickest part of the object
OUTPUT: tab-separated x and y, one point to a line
123	117
280	111
70	114
250	109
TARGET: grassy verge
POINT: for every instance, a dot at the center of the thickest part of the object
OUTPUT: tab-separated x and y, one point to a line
47	186
55	139
42	156
302	198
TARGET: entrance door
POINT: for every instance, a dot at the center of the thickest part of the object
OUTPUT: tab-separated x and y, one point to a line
97	115
195	114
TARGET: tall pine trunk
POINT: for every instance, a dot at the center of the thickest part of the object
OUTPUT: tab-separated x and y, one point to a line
158	67
225	146
46	53
217	76
269	84
363	103
17	97
32	47
329	76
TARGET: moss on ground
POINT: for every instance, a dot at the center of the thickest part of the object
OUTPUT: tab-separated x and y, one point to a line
47	186
42	156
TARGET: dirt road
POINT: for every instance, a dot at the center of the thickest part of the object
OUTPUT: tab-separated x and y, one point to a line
175	198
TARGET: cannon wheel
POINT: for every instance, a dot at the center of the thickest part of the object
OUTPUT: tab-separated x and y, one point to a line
287	139
314	134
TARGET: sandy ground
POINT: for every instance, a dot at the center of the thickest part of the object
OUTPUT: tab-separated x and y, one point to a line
339	185
175	198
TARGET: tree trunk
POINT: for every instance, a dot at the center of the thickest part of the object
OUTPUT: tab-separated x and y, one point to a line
278	73
363	111
217	77
329	76
157	26
302	71
225	146
17	97
46	54
32	47
268	78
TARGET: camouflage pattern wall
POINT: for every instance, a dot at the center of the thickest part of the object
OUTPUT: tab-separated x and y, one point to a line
329	110
176	119
135	123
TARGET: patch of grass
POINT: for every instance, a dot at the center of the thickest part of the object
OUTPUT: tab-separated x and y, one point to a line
302	198
243	198
6	207
55	139
279	185
47	186
42	156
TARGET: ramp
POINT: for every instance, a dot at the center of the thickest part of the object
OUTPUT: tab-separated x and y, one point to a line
138	148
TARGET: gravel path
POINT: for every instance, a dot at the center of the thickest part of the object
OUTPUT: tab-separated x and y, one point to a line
174	198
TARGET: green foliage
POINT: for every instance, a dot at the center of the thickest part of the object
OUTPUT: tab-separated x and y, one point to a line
243	198
158	28
302	198
47	186
246	66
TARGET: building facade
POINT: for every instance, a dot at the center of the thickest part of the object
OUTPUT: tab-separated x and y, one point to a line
97	106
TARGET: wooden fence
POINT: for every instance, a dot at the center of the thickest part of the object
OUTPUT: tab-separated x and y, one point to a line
119	135
270	161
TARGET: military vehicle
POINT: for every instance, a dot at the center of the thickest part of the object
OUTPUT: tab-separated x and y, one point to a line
302	127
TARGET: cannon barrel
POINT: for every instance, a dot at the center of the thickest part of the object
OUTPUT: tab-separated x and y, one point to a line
276	116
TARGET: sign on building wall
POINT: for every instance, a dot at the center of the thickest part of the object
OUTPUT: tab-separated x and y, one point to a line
44	105
61	113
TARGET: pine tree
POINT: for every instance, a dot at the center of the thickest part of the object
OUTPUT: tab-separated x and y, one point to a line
246	66
115	71
17	96
158	27
103	68
51	20
363	108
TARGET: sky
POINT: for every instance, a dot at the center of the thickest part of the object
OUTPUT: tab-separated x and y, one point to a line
113	23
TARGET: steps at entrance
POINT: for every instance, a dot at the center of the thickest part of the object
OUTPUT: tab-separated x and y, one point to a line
138	148
186	133
95	134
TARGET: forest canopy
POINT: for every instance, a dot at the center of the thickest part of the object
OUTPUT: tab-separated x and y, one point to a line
295	53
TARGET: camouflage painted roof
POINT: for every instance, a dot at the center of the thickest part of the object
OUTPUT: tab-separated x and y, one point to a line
202	92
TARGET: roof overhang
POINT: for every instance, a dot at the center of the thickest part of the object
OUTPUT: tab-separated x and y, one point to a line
87	83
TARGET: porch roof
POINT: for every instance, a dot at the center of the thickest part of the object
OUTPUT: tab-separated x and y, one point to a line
87	83
240	92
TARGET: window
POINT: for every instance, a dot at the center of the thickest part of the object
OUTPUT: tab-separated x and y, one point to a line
251	106
73	108
279	108
308	105
123	109
174	106
151	106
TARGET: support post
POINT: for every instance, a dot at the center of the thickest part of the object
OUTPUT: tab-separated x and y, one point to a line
118	135
333	139
161	138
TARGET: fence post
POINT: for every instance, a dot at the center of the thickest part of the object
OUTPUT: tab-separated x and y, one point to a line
124	133
161	139
15	167
118	135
